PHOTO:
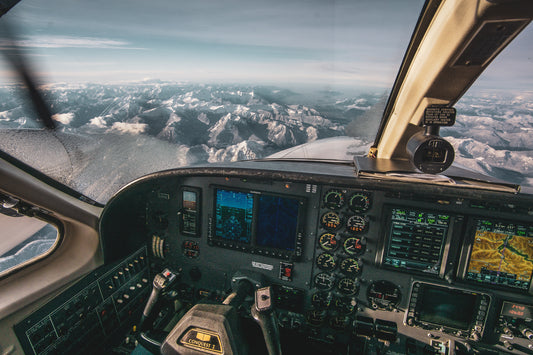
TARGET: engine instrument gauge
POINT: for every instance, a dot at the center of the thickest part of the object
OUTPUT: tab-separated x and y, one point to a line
345	304
316	317
347	286
324	281
356	224
359	202
334	199
325	262
330	221
322	300
328	241
353	246
350	267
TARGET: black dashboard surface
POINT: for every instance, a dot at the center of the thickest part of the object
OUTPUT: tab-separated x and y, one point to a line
348	258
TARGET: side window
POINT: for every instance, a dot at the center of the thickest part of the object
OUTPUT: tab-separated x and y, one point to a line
23	239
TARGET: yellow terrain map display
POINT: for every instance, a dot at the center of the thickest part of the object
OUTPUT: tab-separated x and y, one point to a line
502	253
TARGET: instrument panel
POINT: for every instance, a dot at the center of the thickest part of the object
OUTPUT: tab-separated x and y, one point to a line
349	260
345	260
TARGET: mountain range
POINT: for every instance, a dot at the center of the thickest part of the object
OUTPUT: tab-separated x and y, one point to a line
161	125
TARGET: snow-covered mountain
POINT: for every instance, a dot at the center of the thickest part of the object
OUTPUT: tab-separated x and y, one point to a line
163	125
493	135
216	120
135	129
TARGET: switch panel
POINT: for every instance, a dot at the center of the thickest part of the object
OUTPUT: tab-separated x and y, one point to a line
89	314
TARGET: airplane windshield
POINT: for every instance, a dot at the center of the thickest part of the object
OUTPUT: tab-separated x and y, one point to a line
137	87
492	134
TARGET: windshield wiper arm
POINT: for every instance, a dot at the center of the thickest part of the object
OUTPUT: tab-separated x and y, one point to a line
17	60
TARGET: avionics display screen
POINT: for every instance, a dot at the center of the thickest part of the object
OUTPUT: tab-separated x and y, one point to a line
234	213
502	254
416	239
277	219
190	212
446	307
258	222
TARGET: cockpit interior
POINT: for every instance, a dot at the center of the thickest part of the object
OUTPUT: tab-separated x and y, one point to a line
295	253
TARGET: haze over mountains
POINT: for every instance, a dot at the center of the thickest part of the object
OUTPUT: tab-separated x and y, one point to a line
160	125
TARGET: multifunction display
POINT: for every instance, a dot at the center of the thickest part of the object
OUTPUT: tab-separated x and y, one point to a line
416	239
502	254
459	312
258	223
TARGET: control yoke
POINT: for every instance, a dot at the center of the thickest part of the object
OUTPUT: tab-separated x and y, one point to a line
208	328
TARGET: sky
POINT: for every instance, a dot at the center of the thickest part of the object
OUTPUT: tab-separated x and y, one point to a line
278	41
332	42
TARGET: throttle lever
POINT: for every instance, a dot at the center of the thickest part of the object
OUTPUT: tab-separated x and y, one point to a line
263	313
161	281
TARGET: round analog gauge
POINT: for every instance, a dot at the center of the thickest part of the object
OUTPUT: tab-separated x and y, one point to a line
331	221
324	281
350	267
316	317
328	241
383	294
356	224
353	246
347	286
334	199
325	262
322	300
345	304
359	202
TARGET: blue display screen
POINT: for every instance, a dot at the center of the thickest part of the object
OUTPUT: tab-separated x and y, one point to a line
277	222
260	220
234	214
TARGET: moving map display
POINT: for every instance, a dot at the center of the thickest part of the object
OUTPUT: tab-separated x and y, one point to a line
502	254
